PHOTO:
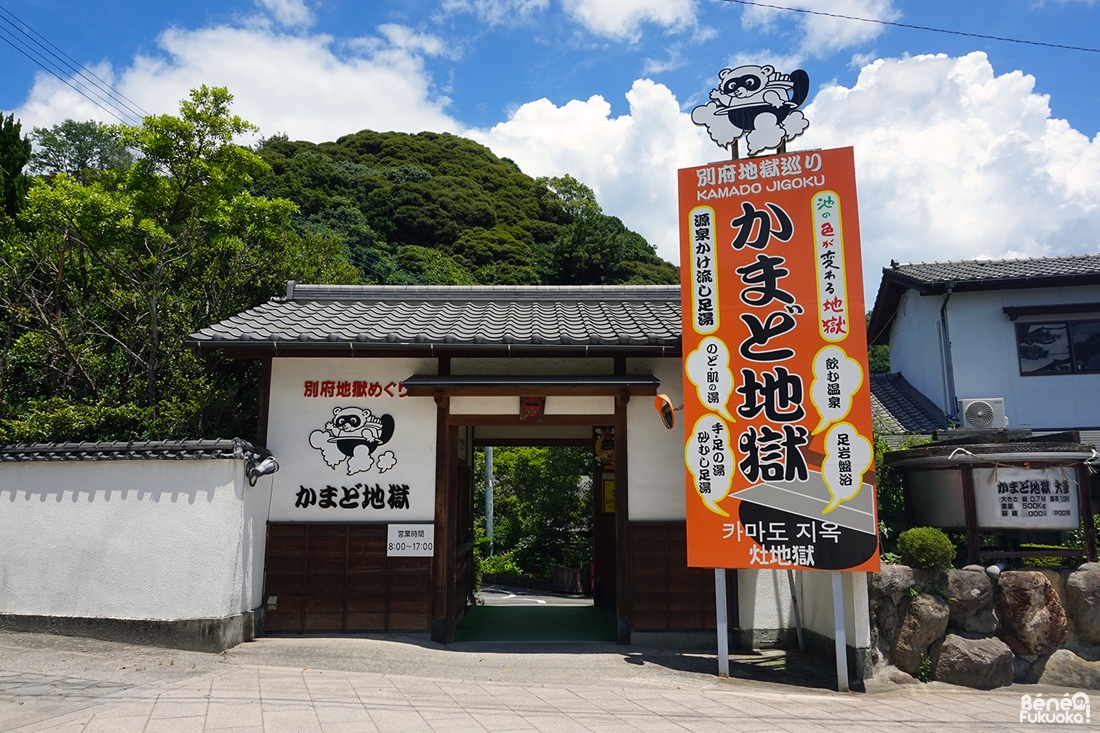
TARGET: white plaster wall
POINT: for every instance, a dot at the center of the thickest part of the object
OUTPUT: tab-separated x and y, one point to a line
152	539
484	405
591	405
295	416
815	597
763	600
655	459
915	345
985	360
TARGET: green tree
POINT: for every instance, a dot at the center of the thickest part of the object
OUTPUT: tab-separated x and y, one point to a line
15	152
79	149
110	277
444	193
542	506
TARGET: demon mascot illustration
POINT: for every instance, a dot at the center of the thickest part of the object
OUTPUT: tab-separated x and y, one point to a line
353	434
757	100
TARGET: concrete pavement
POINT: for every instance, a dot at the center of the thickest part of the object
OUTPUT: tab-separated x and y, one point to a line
329	685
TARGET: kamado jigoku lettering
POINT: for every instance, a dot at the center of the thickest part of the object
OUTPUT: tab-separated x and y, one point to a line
354	497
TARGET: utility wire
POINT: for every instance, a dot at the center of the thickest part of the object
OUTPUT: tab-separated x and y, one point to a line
36	47
109	110
915	27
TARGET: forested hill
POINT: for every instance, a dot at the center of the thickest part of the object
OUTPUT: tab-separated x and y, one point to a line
440	209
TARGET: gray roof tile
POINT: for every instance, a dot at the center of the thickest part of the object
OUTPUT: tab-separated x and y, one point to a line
409	317
933	278
1006	271
133	450
897	408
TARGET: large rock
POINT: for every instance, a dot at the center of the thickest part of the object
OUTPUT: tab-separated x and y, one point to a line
973	662
1033	622
923	621
971	600
1083	602
892	581
1066	669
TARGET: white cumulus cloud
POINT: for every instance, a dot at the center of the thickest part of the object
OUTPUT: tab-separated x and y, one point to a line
630	161
823	34
308	86
622	19
955	162
498	12
290	13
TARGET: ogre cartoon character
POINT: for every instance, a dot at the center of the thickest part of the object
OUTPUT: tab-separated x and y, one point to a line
353	434
757	100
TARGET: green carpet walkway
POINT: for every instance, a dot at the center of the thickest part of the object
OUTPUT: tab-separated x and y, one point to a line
537	623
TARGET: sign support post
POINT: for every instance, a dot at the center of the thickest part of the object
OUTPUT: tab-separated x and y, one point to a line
839	634
722	620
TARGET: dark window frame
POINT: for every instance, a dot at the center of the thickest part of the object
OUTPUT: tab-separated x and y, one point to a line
1071	343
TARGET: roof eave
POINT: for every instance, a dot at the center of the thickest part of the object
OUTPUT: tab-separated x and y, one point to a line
262	349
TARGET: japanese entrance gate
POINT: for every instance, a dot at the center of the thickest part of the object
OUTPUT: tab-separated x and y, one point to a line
372	400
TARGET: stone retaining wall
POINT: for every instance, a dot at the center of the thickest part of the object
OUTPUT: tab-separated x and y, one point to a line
985	628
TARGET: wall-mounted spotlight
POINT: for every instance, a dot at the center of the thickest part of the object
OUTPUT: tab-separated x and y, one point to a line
266	467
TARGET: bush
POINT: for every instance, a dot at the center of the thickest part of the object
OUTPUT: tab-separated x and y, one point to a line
927	548
503	564
1050	561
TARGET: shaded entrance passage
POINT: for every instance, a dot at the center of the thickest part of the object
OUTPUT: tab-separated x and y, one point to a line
537	623
521	614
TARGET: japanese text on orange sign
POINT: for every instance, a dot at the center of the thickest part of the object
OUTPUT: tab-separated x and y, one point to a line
777	406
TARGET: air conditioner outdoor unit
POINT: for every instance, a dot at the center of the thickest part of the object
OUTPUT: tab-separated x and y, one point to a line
984	413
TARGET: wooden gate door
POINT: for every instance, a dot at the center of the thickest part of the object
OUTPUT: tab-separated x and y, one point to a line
337	577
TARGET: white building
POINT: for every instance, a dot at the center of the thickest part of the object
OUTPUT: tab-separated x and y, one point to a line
1020	335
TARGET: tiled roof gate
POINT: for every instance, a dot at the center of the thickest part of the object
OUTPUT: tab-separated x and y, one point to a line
595	320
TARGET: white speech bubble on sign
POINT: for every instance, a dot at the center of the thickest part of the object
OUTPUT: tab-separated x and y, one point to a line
848	455
710	459
836	378
708	367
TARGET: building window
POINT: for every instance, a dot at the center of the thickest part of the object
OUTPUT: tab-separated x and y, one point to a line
1059	347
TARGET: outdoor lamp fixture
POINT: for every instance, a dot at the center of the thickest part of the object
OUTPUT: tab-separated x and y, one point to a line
667	411
266	467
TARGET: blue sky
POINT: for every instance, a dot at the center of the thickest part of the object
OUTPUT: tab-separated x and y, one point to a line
965	147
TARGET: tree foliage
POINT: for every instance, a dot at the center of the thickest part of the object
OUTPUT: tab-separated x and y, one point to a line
104	279
132	237
394	197
79	149
15	152
542	505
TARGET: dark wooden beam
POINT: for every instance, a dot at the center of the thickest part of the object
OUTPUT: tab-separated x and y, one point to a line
623	583
970	509
533	442
1084	501
443	559
514	420
493	391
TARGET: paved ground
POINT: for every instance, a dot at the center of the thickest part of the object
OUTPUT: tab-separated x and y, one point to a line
499	595
52	683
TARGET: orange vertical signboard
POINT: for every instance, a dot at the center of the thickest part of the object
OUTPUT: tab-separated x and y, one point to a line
777	404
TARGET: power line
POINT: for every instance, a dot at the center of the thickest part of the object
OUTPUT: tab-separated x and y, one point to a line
109	110
36	47
916	27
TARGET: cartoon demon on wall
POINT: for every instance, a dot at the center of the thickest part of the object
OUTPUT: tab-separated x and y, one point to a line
353	434
757	100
